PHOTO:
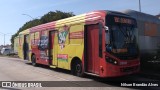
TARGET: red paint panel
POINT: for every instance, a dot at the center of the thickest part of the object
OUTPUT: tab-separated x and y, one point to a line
92	49
95	17
42	27
52	40
35	50
76	35
41	55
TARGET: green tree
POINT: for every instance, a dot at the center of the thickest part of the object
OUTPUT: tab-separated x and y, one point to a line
50	16
53	16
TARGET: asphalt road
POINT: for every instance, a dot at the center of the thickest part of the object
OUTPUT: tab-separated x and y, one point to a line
14	69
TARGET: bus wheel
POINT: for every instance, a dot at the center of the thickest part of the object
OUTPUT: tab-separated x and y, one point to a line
33	60
77	69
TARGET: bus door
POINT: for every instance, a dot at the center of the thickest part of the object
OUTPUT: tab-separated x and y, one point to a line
53	47
26	47
92	48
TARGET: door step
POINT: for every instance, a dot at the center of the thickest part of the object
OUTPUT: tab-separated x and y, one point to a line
53	66
93	74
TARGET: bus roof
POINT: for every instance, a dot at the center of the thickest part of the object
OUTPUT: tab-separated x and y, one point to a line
25	32
117	13
83	18
71	20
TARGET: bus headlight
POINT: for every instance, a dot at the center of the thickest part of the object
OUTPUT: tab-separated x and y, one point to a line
112	61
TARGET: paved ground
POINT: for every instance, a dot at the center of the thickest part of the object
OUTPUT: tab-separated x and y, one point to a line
13	69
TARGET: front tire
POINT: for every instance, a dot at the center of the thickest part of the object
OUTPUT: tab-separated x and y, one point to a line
33	60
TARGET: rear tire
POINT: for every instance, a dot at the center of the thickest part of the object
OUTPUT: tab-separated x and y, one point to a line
33	60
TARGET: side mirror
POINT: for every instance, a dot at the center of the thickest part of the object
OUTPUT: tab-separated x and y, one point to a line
106	28
107	35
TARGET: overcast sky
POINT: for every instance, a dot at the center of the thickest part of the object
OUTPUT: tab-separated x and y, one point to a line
11	18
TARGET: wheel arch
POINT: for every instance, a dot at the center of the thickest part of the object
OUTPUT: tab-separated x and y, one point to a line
75	63
74	60
32	55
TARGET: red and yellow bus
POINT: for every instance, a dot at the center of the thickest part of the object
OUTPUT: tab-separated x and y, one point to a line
100	43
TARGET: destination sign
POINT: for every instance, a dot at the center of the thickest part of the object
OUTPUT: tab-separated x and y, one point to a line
123	20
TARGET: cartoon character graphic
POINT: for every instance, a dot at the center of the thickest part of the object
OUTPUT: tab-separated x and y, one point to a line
62	36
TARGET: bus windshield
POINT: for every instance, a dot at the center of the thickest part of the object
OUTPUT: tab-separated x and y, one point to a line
122	41
122	36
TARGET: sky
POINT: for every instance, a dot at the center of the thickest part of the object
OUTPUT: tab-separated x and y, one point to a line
12	18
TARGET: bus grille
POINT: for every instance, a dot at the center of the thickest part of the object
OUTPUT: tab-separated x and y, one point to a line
129	69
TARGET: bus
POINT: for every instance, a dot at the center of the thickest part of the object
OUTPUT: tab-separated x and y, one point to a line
148	32
148	35
100	43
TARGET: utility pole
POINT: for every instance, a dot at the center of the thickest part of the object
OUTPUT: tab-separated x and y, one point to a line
4	39
31	16
139	5
28	16
4	35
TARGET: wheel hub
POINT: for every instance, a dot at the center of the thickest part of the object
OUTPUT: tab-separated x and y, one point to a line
78	68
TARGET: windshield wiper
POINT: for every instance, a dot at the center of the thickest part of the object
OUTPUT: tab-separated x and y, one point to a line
125	35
